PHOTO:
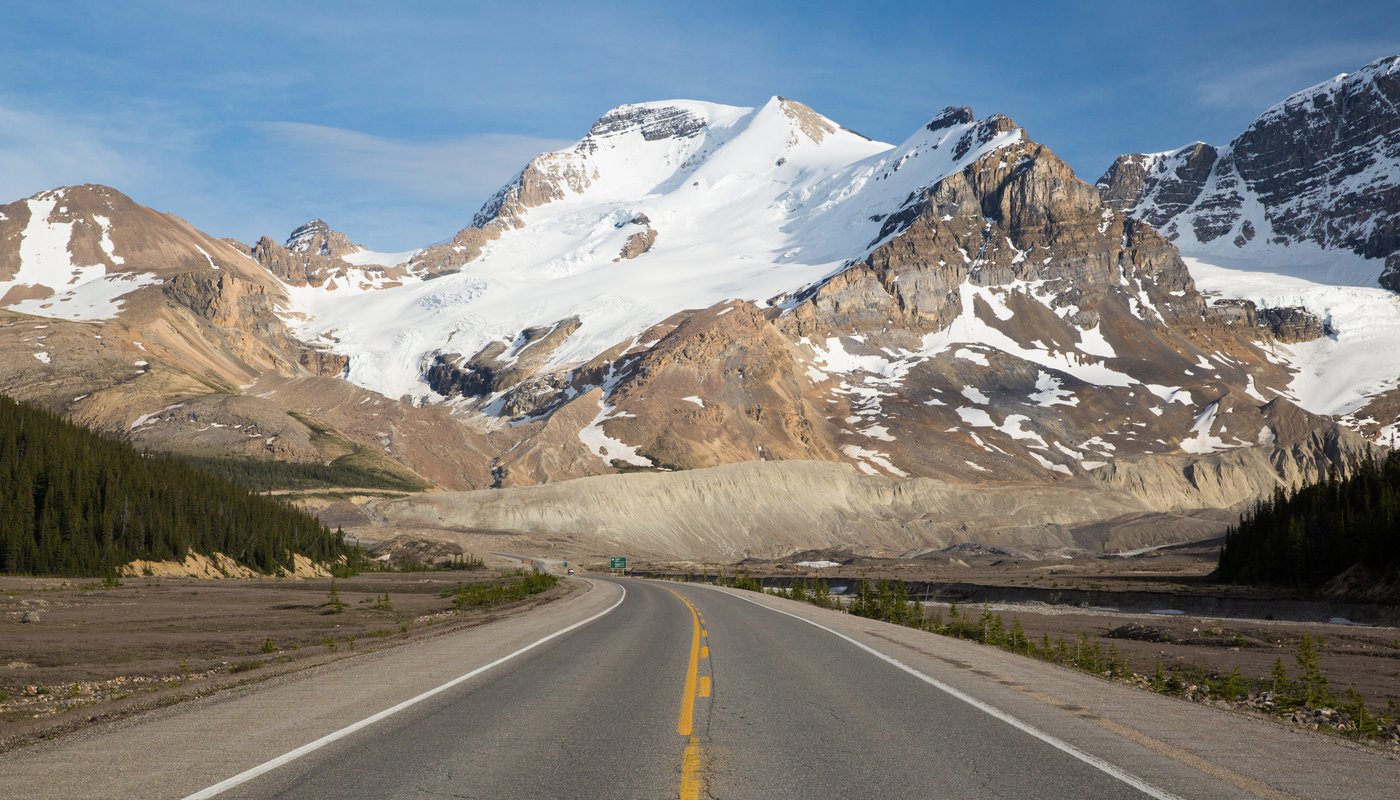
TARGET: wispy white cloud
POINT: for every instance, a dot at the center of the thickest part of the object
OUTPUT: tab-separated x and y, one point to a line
1259	82
462	168
41	150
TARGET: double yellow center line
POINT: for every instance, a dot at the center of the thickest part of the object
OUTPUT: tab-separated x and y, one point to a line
696	685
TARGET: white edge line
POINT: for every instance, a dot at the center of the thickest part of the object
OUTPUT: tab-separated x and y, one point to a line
288	757
1057	743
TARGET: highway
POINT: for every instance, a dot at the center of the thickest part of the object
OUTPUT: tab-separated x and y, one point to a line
638	689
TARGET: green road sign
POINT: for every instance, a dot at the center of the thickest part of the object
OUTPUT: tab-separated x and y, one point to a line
566	563
617	562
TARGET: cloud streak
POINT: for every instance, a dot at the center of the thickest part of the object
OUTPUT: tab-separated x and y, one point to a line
39	151
456	169
1262	81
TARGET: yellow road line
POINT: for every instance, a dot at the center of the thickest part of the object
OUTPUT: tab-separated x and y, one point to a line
690	771
705	651
685	724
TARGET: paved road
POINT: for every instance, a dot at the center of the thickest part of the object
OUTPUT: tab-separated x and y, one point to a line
687	691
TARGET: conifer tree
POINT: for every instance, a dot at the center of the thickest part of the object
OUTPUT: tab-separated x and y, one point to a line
75	503
1312	682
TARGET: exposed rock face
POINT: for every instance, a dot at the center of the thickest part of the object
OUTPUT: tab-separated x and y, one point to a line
654	123
499	365
234	304
450	377
809	123
323	362
1018	214
315	255
951	116
1323	162
637	244
1289	325
317	238
297	269
1321	167
1175	181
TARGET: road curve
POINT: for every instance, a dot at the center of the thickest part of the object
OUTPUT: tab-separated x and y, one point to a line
689	691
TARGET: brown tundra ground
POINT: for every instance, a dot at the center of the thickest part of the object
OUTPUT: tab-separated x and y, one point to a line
97	652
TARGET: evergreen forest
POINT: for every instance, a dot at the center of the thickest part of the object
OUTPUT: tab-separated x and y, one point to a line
1312	534
75	503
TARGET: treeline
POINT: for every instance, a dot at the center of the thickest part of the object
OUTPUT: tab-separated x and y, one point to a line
75	503
1312	534
264	475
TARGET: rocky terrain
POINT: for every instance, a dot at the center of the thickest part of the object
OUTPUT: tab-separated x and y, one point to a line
1322	167
1297	214
833	341
163	335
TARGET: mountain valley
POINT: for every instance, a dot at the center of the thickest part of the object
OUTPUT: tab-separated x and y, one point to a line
771	333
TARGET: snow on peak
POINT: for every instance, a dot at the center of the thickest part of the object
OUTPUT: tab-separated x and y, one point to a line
744	203
1343	83
949	117
49	283
309	235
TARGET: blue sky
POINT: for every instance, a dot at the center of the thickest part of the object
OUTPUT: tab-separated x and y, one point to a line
394	121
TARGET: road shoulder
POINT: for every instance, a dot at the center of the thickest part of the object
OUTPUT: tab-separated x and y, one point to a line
202	742
1185	748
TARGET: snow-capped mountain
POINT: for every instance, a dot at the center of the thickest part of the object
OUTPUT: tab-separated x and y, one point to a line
1321	168
661	207
694	285
959	293
1302	209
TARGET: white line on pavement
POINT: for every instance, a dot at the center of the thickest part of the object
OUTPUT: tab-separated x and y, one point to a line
285	758
1057	743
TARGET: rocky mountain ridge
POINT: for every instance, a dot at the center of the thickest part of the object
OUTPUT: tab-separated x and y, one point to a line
692	287
137	324
1322	167
1297	217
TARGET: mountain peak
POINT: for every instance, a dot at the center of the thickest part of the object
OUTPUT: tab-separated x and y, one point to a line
317	238
1320	168
950	116
665	119
83	194
1319	97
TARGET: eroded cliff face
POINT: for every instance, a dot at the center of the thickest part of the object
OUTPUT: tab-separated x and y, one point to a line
1018	215
1173	188
1321	168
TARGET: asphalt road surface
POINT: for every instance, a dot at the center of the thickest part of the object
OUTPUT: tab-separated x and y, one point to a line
668	690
